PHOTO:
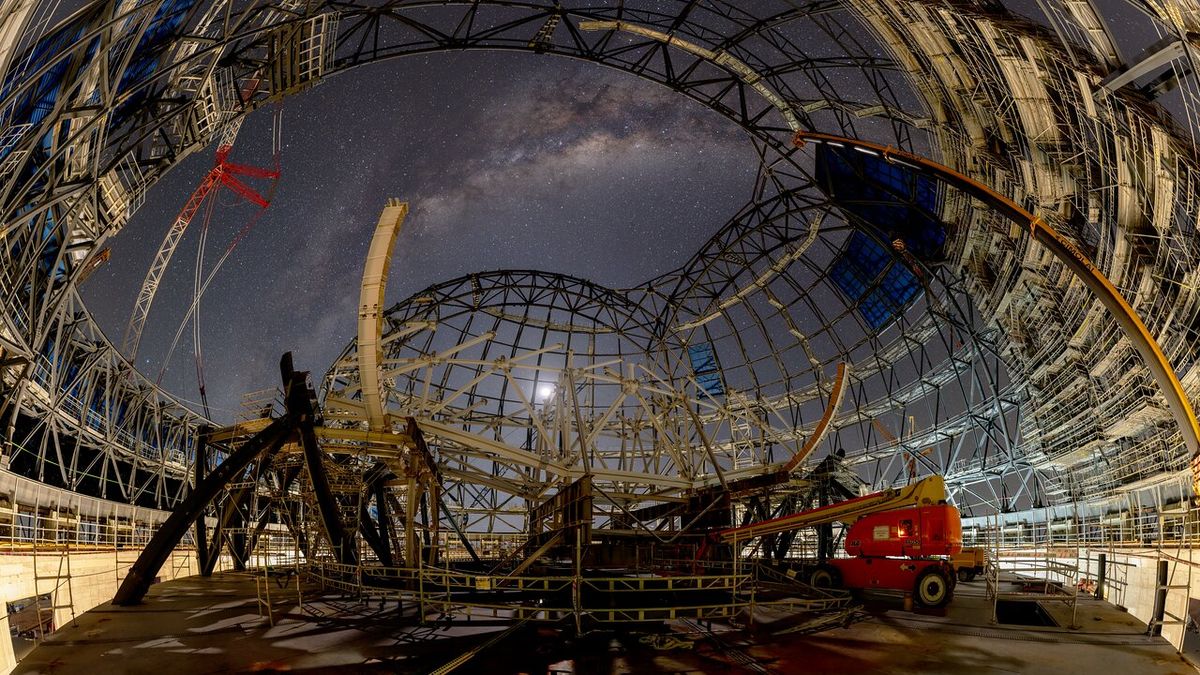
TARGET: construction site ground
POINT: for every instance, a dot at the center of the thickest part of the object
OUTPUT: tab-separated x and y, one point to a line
214	625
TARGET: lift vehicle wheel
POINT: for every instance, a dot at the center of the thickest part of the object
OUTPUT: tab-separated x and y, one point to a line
825	576
932	588
966	574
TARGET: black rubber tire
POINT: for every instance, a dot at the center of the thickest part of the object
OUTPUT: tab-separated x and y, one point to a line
971	575
933	588
825	576
965	574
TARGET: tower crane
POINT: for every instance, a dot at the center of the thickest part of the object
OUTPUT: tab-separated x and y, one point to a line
224	173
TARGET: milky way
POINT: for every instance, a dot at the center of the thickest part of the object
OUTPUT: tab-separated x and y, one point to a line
509	161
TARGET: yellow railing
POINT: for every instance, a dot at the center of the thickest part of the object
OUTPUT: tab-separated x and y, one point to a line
554	598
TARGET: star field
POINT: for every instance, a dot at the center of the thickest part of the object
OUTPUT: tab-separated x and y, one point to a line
508	161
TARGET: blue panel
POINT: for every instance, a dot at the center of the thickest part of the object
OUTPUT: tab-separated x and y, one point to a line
152	46
895	291
706	368
892	202
872	280
892	199
702	357
36	102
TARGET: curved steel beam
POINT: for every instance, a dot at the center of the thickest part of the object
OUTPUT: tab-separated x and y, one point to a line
370	309
835	402
721	58
1075	260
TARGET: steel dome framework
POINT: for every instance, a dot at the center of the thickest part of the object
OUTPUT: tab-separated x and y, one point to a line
1005	364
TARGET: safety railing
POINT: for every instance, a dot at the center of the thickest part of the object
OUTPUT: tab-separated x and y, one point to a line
612	599
553	598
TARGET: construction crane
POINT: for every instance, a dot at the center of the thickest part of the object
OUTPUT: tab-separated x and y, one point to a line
223	173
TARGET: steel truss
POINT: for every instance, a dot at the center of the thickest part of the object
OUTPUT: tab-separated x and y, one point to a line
75	172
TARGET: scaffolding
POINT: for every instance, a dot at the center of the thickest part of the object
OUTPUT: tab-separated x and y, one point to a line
998	369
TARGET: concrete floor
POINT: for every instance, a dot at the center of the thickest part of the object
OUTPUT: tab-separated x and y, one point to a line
198	625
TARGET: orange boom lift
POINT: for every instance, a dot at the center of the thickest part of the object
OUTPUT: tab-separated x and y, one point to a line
898	539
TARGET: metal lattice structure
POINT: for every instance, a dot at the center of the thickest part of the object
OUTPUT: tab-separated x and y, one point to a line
979	358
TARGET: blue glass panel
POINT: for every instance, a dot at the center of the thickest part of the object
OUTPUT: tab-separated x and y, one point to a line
36	102
152	46
894	200
872	280
706	368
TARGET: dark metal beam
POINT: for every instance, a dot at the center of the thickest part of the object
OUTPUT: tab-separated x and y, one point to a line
141	575
379	488
376	537
298	398
371	535
201	468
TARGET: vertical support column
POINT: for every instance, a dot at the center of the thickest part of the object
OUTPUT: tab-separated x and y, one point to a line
435	499
299	407
1160	600
1101	575
379	488
412	554
376	536
737	570
577	584
201	469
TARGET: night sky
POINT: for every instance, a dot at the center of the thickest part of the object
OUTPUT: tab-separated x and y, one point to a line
508	161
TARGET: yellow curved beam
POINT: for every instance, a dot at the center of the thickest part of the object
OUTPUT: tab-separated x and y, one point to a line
835	402
1075	260
370	309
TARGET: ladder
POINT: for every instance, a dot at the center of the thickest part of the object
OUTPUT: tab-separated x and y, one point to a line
258	404
55	583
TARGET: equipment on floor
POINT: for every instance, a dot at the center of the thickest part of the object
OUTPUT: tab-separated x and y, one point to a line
969	563
894	541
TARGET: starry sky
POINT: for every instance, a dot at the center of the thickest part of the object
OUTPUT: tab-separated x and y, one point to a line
507	160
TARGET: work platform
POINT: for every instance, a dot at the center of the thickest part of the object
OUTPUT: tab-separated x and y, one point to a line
209	625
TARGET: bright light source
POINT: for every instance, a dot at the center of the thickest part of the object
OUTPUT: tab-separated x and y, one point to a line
545	391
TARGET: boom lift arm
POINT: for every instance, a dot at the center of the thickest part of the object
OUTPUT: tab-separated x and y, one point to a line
928	491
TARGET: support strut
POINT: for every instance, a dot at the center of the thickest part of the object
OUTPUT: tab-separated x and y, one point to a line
168	536
299	407
201	467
